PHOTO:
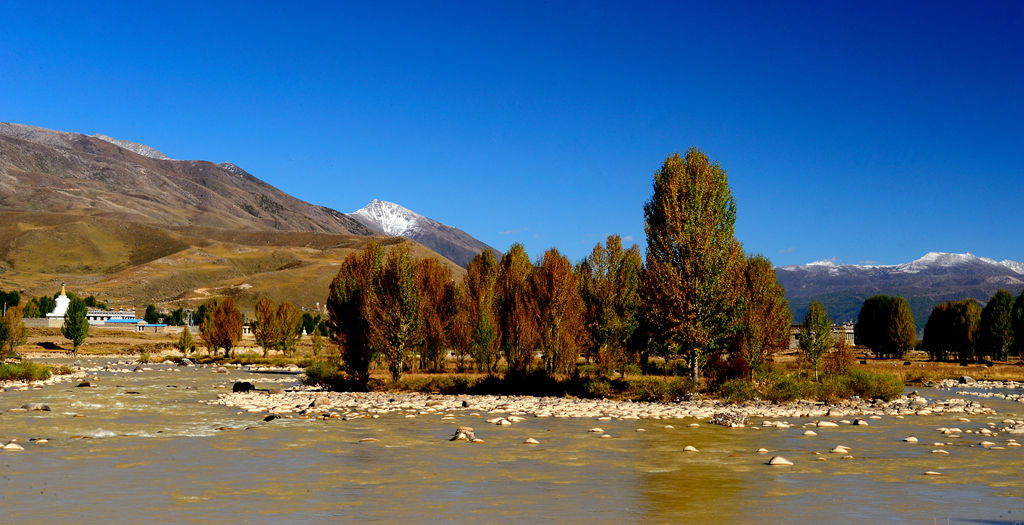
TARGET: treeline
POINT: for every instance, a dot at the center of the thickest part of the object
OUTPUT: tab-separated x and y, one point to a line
697	296
964	331
279	327
955	331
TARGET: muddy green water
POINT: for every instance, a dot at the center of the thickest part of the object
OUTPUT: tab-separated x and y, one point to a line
144	449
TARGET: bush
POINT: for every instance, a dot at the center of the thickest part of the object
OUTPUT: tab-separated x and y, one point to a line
599	387
24	371
872	385
323	373
737	390
782	388
441	384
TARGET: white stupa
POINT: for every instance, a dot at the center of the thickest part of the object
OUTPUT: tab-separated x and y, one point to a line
62	305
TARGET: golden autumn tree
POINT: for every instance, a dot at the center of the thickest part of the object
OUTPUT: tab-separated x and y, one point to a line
690	293
476	328
556	289
517	310
16	334
393	311
610	280
766	316
347	301
437	310
287	328
221	326
263	326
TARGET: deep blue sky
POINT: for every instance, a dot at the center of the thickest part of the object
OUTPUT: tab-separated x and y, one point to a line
865	131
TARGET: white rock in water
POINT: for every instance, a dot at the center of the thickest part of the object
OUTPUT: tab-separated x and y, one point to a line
596	430
531	441
762	451
839	449
641	430
670	427
910	439
606	436
13	447
810	433
932	473
827	424
690	448
780	461
940	451
693	425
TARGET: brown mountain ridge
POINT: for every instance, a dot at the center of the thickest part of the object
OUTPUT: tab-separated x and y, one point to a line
135	229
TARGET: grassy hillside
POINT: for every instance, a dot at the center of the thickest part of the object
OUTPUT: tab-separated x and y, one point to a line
130	264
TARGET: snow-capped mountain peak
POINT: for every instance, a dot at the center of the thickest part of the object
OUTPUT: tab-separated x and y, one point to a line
141	149
390	218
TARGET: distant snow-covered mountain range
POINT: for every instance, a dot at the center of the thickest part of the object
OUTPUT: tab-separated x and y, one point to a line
934	278
930	261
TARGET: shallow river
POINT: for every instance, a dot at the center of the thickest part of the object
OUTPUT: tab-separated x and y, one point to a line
140	447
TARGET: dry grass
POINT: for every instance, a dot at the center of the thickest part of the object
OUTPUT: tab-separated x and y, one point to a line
921	370
135	264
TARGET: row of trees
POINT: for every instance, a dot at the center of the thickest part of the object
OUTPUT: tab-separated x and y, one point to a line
697	295
963	331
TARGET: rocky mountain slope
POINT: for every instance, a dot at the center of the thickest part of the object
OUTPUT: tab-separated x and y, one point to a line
925	282
391	219
55	171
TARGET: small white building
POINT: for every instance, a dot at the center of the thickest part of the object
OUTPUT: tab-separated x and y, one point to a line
96	316
839	331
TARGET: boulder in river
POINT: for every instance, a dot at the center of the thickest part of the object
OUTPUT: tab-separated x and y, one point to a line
242	386
35	406
779	461
963	380
84	384
463	434
729	419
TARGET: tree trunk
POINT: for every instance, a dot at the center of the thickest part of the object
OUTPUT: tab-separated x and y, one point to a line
694	370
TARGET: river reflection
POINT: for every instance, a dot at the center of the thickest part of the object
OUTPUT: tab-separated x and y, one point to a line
145	449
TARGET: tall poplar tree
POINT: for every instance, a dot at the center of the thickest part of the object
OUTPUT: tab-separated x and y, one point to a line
347	302
885	324
393	311
610	280
76	326
690	293
476	324
560	312
16	333
815	337
517	309
1017	326
287	328
766	316
437	309
995	330
952	330
263	325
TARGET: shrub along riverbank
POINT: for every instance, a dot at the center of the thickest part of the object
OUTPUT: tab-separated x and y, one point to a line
29	371
777	386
